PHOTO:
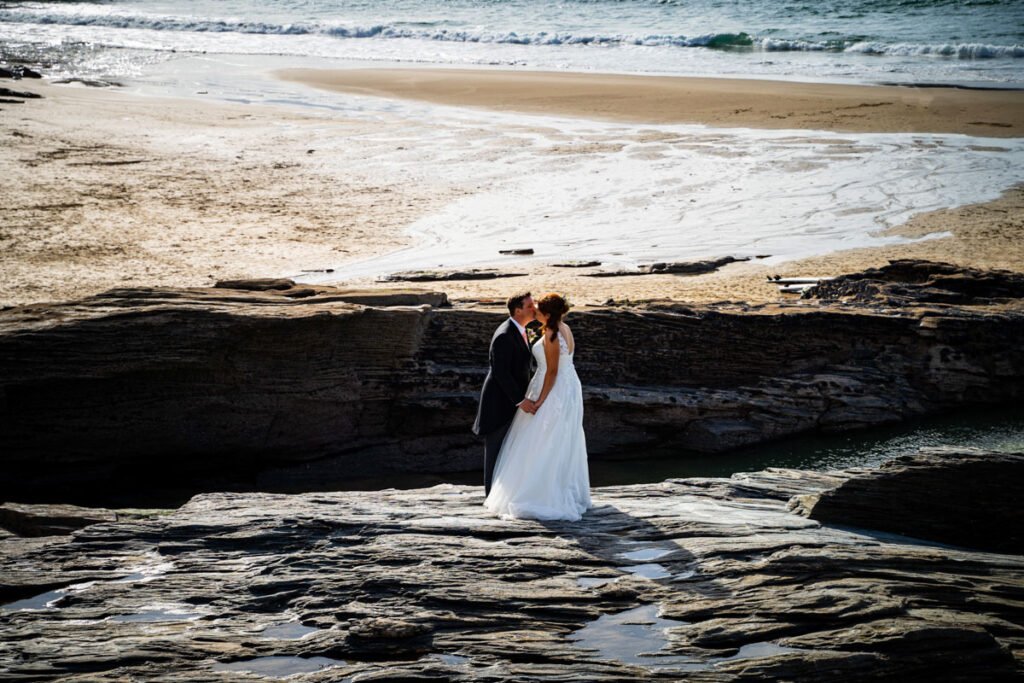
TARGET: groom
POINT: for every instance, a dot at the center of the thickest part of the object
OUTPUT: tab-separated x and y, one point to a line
505	386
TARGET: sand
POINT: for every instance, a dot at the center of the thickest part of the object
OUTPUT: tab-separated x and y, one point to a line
725	102
106	190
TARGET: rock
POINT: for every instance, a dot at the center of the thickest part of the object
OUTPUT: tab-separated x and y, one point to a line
440	275
90	82
59	520
516	252
679	268
576	264
919	282
241	389
390	297
424	584
18	72
50	520
966	499
256	285
24	94
383	628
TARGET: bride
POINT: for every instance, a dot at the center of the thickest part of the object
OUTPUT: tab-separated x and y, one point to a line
542	466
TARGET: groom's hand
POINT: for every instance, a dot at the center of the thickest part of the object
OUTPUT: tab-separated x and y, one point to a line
528	406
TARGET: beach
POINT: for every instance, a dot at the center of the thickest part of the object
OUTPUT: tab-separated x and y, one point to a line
252	260
107	189
719	102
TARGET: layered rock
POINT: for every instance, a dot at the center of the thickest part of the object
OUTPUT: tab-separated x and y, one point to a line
277	384
974	500
703	580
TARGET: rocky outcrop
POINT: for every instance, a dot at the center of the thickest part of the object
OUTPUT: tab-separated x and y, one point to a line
310	386
56	520
18	71
974	500
702	580
918	282
442	275
23	94
672	268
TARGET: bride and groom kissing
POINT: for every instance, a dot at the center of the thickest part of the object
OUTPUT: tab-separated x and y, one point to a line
535	452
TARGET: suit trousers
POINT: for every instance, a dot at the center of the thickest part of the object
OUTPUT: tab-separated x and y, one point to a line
492	446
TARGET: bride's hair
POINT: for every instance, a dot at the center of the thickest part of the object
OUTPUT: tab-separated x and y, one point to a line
554	306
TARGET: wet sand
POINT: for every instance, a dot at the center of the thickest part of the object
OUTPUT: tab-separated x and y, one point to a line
988	235
722	102
106	190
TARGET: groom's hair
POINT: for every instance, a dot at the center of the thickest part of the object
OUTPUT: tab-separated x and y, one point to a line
516	301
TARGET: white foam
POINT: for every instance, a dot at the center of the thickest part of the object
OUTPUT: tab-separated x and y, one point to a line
627	195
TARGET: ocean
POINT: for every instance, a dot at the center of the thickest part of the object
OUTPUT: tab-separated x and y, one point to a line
975	43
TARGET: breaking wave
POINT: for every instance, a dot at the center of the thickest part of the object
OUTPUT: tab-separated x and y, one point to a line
718	41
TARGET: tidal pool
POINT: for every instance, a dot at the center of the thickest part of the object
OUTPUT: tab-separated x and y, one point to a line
279	666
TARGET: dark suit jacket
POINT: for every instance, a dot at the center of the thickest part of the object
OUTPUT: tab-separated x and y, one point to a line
507	379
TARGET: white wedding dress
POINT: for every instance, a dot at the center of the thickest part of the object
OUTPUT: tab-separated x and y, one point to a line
541	471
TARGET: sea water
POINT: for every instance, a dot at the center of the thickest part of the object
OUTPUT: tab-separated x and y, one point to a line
925	41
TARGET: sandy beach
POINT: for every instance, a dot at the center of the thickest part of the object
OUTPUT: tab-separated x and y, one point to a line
108	190
734	103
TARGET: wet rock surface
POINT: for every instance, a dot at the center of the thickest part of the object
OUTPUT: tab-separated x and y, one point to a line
974	501
308	385
705	580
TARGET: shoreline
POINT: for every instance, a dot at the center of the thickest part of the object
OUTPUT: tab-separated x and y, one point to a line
717	102
112	190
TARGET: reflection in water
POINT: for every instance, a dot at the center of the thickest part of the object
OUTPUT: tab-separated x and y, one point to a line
998	428
36	602
451	660
647	554
637	636
280	666
648	571
633	637
157	615
755	650
291	631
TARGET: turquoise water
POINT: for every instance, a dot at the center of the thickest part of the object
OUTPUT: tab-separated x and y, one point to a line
980	42
998	428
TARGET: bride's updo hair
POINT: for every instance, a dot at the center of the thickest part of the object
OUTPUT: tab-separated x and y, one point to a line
554	306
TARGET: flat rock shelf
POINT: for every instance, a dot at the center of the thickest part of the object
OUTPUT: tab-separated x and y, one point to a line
699	579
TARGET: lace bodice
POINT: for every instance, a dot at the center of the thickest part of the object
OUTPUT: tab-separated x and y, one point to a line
563	351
